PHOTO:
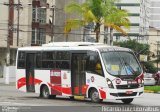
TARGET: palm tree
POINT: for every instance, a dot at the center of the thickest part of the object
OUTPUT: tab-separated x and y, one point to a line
97	11
116	20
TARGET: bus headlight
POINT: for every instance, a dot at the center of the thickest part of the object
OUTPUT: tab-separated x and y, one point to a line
139	81
142	81
109	82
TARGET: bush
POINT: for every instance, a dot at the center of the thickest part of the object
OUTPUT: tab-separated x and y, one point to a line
149	67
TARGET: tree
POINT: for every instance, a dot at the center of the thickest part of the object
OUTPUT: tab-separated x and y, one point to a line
117	19
139	48
100	12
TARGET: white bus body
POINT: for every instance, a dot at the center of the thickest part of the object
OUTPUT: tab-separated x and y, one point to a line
90	70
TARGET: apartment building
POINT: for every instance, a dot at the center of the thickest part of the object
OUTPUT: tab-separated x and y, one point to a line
6	34
31	23
154	22
138	12
155	14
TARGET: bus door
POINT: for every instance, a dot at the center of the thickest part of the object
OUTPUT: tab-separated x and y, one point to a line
30	62
78	76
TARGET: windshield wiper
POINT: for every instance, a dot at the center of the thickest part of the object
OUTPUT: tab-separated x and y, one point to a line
128	68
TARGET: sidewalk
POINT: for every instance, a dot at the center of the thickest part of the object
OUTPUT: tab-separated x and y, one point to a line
10	84
1	80
2	83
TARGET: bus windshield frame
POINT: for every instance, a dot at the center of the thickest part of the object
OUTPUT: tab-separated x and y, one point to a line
121	63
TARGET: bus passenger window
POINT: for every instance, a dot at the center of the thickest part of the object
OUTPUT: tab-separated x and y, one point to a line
21	64
48	55
58	64
98	68
94	64
38	60
48	64
65	65
21	59
63	55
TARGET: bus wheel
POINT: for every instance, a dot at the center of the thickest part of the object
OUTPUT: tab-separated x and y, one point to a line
71	98
94	95
127	101
45	92
52	96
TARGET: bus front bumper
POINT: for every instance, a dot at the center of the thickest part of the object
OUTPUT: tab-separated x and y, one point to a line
124	93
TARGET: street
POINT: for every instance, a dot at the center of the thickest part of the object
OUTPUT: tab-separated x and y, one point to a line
10	96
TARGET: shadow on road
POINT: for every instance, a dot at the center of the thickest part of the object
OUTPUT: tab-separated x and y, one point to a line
87	101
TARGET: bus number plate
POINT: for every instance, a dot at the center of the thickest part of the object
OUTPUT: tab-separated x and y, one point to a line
129	92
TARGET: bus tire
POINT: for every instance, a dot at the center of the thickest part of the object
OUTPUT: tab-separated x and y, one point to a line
71	98
45	92
52	96
94	95
127	101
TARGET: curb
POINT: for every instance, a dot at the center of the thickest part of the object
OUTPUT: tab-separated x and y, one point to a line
149	91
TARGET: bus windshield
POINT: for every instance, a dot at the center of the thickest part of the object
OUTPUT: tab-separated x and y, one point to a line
121	63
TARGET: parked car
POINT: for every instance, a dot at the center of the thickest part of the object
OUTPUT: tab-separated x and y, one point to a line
149	79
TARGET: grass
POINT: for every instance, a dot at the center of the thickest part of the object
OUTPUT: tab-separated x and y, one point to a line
152	88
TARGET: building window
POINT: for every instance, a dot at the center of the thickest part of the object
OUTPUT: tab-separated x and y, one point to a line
39	15
41	37
38	36
34	15
42	15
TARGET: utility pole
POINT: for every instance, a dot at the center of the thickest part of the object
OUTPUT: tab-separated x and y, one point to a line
18	7
10	28
53	15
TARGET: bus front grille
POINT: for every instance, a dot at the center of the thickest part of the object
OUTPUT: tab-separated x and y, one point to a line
133	86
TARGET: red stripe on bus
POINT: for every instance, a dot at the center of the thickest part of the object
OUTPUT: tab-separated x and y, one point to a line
21	82
76	90
65	90
37	81
84	89
103	94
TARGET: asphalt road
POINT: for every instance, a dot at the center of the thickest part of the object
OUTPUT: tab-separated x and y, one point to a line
9	96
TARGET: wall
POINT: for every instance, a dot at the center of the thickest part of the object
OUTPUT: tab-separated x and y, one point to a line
9	76
3	23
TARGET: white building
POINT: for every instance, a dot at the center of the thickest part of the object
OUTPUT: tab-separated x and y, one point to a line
34	27
154	22
6	35
138	13
155	14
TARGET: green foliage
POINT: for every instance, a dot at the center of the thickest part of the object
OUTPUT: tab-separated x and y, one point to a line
149	67
100	12
152	88
139	48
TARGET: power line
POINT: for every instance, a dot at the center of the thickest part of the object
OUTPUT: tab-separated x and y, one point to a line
72	33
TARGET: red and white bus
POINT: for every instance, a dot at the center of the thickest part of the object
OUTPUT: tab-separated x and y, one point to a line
90	70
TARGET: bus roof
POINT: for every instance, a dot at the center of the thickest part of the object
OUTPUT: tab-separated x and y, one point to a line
71	46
